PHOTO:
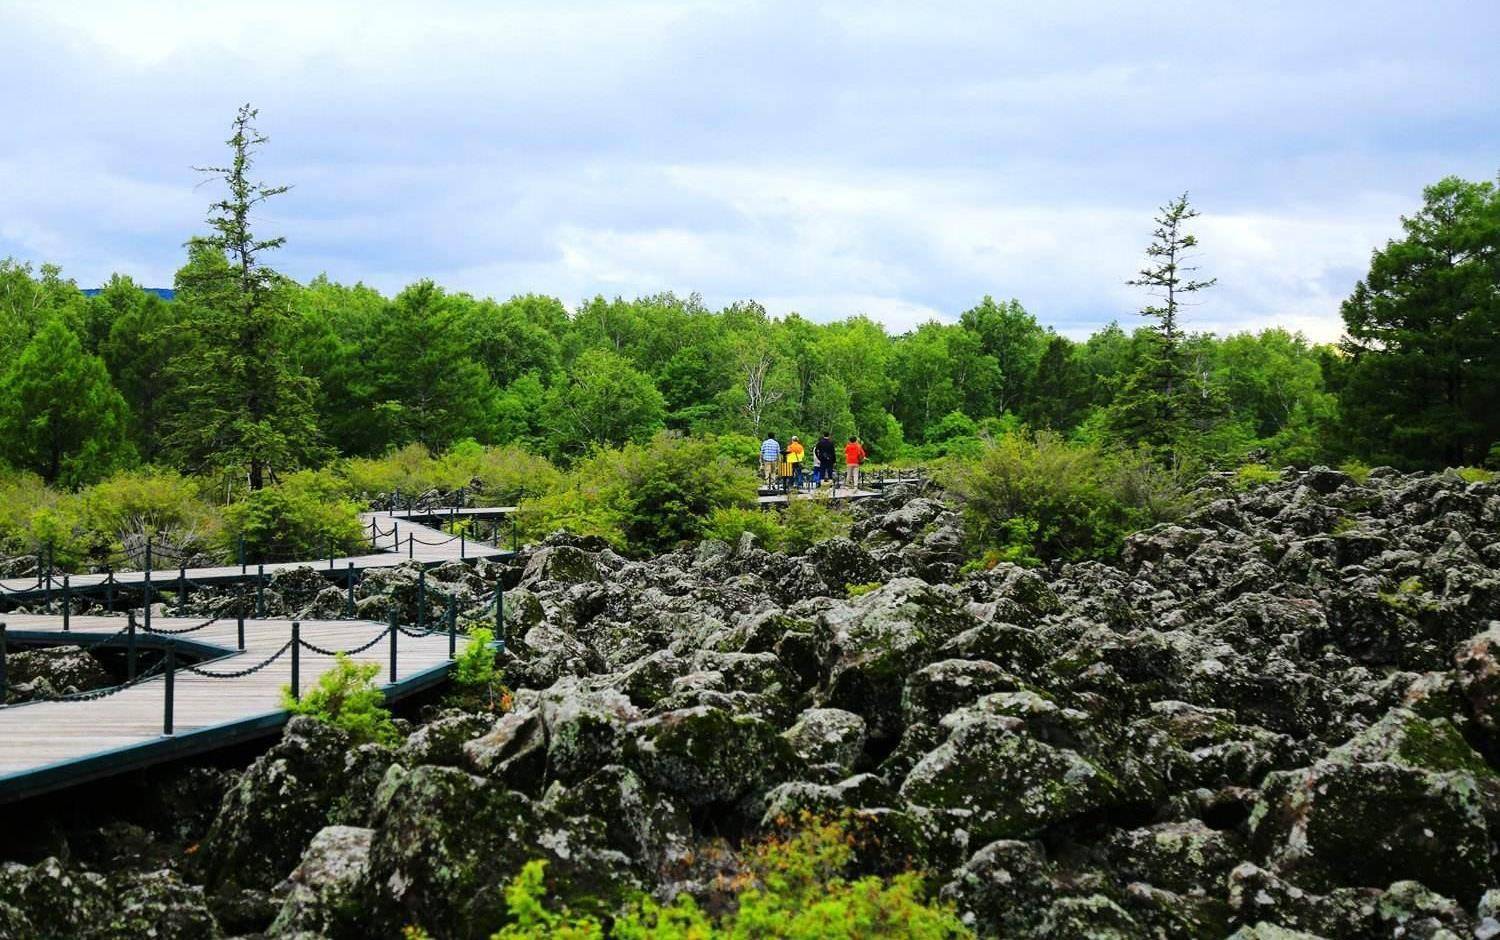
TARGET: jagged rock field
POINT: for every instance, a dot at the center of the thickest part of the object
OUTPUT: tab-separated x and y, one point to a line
1279	717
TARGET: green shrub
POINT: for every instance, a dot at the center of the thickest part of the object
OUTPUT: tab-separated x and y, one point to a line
89	526
1475	474
501	473
303	516
643	497
806	522
346	697
728	523
1252	475
858	590
1358	470
794	888
476	680
1035	496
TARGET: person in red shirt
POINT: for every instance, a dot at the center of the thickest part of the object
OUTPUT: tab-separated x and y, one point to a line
854	455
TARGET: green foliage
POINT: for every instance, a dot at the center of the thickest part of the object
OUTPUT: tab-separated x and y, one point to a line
644	497
241	399
59	414
859	590
502	473
806	522
1252	475
1423	335
1035	496
1475	474
346	697
476	680
796	890
303	516
728	523
1358	470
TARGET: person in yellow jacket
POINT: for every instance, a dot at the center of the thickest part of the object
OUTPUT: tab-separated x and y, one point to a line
794	456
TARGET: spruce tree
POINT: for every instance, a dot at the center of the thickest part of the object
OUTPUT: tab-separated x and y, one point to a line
243	403
1165	400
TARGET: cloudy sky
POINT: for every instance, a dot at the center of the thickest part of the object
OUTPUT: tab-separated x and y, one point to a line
899	160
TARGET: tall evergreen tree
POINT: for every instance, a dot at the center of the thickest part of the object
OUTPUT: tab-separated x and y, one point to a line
1164	400
59	414
242	401
1424	334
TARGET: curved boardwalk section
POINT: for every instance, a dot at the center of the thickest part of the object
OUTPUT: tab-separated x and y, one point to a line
216	702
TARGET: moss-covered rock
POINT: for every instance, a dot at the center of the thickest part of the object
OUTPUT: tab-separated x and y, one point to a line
707	755
879	639
992	780
1341	823
827	736
327	893
938	688
278	804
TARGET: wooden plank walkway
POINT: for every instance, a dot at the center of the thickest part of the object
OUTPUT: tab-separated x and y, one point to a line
840	494
395	541
46	745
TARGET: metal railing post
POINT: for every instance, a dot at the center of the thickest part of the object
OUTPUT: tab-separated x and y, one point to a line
182	589
452	627
2	664
260	591
109	588
421	598
296	660
411	546
462	546
147	586
330	554
130	645
351	589
67	603
166	724
242	554
395	632
515	543
49	575
395	536
240	624
395	501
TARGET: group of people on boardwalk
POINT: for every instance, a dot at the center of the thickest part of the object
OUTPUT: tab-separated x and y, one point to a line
783	466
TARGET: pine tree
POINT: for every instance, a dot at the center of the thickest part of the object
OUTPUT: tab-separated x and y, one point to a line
1165	400
242	402
59	414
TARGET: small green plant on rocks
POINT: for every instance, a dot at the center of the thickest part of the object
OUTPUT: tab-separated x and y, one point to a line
793	887
346	697
1252	475
856	590
475	679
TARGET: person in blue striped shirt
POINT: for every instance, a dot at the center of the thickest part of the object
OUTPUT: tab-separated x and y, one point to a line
770	455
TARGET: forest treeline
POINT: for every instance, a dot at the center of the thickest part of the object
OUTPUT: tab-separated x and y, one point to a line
247	376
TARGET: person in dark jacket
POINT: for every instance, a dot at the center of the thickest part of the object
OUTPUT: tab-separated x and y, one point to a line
823	453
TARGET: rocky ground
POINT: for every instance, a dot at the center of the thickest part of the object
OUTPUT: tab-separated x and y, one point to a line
1278	718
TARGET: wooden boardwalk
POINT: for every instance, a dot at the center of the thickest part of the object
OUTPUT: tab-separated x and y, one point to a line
842	493
395	541
46	745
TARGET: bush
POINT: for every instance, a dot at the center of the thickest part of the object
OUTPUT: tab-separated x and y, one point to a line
1357	469
476	681
728	523
644	497
346	697
1252	475
1031	497
304	516
92	525
1475	474
806	522
501	473
794	888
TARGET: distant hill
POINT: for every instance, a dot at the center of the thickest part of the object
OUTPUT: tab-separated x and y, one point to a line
165	293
